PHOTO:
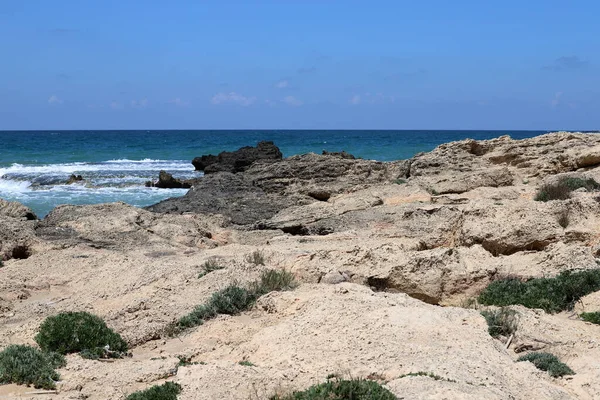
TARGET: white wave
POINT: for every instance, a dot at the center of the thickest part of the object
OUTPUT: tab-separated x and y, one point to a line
10	186
79	167
145	160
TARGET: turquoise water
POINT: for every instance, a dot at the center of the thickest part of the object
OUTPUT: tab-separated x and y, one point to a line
35	165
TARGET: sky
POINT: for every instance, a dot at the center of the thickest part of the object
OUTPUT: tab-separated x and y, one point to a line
427	64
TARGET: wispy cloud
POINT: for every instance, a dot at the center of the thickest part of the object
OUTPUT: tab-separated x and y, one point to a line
371	98
179	102
143	103
355	100
115	105
307	70
566	63
54	100
283	84
556	99
232	98
292	101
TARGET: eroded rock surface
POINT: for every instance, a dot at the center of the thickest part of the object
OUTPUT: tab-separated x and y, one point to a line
382	264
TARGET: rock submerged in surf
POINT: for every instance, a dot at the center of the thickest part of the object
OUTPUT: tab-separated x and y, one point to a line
74	179
166	181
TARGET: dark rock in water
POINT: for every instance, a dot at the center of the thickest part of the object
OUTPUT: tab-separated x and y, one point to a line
340	154
239	160
166	181
200	163
251	197
74	179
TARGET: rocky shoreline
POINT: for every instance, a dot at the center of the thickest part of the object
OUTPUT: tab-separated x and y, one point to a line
390	257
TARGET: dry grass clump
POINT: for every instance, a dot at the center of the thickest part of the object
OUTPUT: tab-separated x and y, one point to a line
561	190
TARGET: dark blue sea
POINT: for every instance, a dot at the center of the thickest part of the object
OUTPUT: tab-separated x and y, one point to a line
34	165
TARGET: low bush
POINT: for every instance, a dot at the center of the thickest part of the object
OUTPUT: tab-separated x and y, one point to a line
210	265
593	317
166	391
257	257
548	362
273	280
501	322
80	332
355	389
561	190
550	294
26	365
234	299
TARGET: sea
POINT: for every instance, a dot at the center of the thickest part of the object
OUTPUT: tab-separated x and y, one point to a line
35	165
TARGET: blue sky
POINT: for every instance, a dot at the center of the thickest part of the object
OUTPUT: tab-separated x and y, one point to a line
133	64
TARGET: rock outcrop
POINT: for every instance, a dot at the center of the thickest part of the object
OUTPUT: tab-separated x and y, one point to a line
239	160
166	181
376	247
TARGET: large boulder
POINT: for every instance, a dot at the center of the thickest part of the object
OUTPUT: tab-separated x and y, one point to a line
239	160
17	210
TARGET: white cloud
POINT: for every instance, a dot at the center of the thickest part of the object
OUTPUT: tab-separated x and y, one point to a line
179	102
292	101
232	98
355	100
116	105
282	84
556	100
143	103
52	100
270	103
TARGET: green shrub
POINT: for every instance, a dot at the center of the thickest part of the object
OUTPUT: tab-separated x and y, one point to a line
502	322
550	294
234	299
231	300
561	190
400	181
273	280
355	389
26	365
548	362
1	263
593	317
257	257
166	391
247	364
74	332
210	265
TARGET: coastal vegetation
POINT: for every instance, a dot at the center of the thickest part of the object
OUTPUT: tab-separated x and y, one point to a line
501	322
234	298
550	294
27	365
339	389
210	265
80	332
166	391
593	317
548	362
